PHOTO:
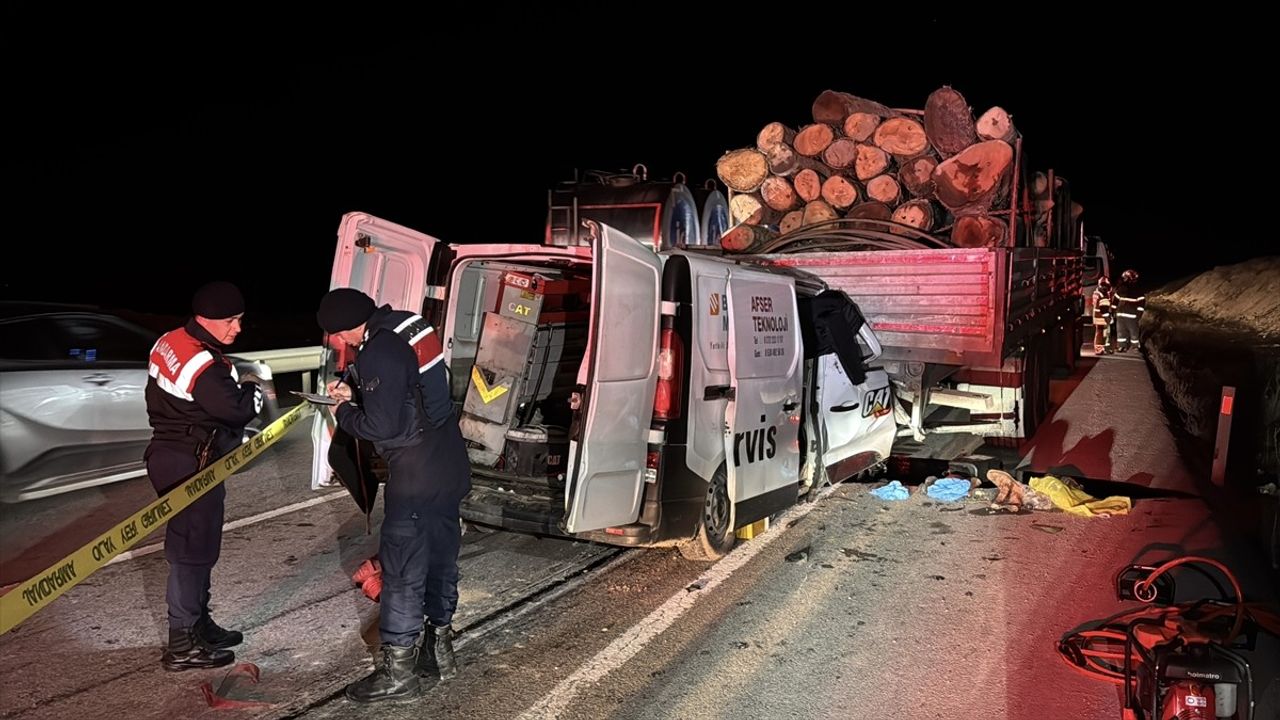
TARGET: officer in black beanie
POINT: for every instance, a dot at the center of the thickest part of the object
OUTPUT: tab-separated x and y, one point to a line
197	407
398	397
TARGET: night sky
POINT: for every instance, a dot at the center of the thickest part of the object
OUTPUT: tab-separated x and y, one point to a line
229	147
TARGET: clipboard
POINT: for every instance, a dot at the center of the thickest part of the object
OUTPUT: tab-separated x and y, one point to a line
314	398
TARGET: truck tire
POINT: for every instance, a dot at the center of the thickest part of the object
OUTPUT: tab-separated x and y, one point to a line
715	537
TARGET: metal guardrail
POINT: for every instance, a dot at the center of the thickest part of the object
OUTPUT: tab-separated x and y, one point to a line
305	360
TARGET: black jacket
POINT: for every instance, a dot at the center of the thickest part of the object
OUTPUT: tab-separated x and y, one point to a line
219	407
395	399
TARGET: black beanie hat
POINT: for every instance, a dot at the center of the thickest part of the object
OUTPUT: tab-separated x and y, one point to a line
218	300
344	309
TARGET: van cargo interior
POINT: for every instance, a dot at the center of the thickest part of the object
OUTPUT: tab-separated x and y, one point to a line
519	338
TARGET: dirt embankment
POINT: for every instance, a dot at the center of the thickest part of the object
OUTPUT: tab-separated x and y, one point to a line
1222	328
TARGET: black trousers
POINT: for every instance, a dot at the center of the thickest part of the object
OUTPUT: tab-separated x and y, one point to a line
192	538
421	534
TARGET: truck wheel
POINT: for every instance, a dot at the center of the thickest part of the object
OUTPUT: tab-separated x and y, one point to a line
715	536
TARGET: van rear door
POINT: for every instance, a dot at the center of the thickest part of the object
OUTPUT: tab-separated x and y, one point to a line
607	456
391	264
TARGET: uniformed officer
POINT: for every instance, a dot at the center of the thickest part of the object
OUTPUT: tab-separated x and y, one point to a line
197	407
398	398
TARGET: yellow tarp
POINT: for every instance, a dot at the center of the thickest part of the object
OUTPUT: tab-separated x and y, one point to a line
1070	497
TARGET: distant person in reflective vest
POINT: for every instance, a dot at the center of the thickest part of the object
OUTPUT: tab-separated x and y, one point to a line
197	407
398	398
1129	306
1102	316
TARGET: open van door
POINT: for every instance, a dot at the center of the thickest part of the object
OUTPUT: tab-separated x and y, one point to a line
857	413
607	456
390	263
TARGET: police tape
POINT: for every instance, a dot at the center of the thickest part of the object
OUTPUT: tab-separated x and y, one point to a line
31	596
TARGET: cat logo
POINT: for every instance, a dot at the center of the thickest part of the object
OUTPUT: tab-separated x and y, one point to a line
715	304
876	402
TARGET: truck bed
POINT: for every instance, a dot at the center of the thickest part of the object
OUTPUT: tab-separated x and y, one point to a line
953	306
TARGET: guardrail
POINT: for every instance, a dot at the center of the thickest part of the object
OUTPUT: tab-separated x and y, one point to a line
305	360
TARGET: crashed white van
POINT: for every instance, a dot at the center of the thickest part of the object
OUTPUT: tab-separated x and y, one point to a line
619	394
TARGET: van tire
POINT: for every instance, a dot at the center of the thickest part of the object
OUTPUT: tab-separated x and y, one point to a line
715	536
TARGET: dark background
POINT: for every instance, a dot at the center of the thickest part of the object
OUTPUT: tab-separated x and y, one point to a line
149	152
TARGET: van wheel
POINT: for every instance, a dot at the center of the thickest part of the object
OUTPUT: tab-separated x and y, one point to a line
715	537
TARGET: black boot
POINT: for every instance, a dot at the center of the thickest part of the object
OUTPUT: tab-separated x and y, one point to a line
436	655
215	637
395	680
187	652
440	643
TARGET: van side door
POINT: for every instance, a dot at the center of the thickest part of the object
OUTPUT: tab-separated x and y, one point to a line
762	452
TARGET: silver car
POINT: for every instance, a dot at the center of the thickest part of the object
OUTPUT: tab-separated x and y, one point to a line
72	408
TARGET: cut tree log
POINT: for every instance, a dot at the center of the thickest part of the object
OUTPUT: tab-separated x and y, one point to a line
919	214
777	193
772	135
870	211
978	231
832	107
996	124
885	189
976	177
840	192
750	208
819	211
916	175
808	184
902	137
813	139
870	162
743	170
784	161
948	121
841	153
745	238
861	126
791	221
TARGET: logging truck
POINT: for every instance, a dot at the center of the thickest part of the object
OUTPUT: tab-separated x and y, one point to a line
966	262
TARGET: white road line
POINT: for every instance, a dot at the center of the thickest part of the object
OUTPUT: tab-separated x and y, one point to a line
235	524
630	643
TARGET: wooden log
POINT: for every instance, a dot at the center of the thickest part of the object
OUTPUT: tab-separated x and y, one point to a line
975	177
745	238
978	231
832	107
996	124
813	139
861	126
901	137
777	193
870	162
772	135
784	161
750	208
885	189
916	175
919	214
819	211
870	210
948	121
743	170
808	184
840	154
840	192
791	221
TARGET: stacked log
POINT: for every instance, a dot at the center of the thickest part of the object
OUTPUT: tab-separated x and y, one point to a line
939	170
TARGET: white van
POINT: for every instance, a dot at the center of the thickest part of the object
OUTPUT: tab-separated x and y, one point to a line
623	395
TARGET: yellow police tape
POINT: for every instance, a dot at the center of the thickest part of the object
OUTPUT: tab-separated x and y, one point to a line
29	597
